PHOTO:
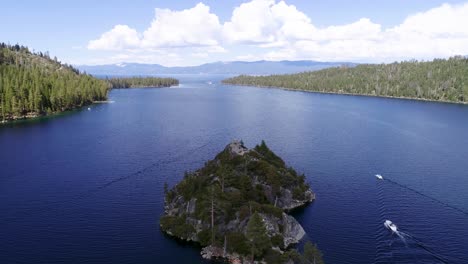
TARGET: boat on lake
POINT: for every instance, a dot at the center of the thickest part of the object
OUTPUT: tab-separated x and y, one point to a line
391	226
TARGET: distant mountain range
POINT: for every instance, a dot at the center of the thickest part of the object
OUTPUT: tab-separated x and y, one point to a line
234	67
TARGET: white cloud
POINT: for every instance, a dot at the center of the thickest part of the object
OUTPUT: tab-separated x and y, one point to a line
363	29
186	28
442	22
438	32
265	22
120	37
276	30
251	22
189	27
292	24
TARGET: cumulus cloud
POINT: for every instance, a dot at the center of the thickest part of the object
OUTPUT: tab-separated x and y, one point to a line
363	29
186	28
266	22
251	22
120	37
189	27
441	22
277	30
438	32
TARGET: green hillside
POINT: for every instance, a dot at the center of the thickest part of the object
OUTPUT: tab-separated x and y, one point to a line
33	84
437	80
141	82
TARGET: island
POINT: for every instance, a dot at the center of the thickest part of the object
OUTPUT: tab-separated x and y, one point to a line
236	207
141	82
442	80
33	84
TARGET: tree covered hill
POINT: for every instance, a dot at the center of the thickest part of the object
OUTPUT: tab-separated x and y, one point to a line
437	80
236	207
134	82
33	84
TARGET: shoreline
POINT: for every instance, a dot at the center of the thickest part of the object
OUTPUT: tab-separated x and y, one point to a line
350	94
145	87
33	115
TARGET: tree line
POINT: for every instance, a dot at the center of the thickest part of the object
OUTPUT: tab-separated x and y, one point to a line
437	80
132	82
33	84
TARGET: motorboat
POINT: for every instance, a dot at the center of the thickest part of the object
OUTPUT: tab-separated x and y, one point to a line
391	226
378	176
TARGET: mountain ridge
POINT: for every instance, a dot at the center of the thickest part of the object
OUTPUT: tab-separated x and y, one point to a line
260	67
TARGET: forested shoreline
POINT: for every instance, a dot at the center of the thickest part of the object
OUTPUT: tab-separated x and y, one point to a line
33	84
143	82
443	80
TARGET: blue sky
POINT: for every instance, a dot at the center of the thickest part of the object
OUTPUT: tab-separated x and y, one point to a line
100	32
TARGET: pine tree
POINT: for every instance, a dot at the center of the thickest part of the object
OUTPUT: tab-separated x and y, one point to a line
257	235
40	86
312	254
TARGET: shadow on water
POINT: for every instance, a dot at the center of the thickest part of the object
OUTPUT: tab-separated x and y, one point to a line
20	123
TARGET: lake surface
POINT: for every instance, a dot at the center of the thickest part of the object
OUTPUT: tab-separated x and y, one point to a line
87	186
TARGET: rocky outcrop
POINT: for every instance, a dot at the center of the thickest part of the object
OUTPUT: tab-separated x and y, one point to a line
236	147
293	231
285	226
213	205
212	252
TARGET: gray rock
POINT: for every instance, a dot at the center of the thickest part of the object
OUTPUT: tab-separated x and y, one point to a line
237	148
292	230
191	205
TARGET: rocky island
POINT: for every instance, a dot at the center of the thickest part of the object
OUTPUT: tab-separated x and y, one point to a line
236	207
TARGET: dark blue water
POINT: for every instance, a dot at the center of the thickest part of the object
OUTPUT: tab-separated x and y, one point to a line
87	187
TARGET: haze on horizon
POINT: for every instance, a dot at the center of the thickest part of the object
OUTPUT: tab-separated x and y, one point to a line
192	33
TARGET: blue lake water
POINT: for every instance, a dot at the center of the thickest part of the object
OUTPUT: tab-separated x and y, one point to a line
87	186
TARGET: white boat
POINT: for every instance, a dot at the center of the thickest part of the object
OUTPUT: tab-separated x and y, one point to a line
89	108
210	83
378	176
390	225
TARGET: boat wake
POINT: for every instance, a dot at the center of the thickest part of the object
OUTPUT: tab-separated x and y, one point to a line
427	196
404	236
394	229
157	164
397	245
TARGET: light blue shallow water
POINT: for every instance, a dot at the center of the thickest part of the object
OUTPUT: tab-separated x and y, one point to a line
86	187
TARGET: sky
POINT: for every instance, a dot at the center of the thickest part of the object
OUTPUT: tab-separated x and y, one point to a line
186	32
